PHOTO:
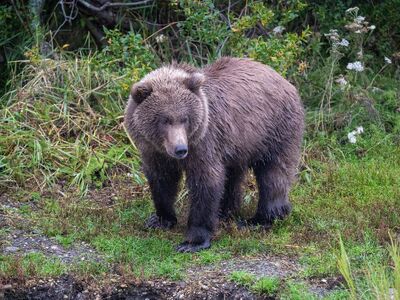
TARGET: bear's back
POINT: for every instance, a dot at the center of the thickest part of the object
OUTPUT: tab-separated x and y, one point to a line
251	107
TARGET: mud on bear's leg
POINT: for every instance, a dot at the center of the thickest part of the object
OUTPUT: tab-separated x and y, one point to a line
206	186
273	186
163	178
233	193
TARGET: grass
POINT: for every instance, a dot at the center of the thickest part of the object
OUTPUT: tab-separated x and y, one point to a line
325	203
31	265
265	285
380	281
243	278
296	291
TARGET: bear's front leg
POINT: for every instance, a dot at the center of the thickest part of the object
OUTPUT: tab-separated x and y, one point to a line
206	186
163	177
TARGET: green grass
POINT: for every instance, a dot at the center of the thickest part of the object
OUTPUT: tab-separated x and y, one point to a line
266	285
379	280
296	291
145	256
31	265
243	278
324	204
39	265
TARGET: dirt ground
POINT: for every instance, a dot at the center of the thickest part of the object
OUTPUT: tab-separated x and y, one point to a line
200	282
205	282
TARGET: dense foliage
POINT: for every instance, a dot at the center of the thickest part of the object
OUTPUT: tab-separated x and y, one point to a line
65	80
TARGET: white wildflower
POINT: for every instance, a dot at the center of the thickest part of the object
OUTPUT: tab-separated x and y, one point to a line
354	27
129	175
356	66
333	35
376	90
388	60
359	19
352	10
278	29
341	81
161	38
352	137
344	43
372	27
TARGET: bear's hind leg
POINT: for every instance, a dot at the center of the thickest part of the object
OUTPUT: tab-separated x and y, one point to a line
163	178
232	199
273	187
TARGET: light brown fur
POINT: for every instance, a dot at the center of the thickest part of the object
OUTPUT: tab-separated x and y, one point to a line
241	114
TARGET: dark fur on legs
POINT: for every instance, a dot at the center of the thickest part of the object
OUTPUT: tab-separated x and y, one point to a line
233	194
273	187
164	180
205	191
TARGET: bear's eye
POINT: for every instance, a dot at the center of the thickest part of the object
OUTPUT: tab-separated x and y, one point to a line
166	121
184	120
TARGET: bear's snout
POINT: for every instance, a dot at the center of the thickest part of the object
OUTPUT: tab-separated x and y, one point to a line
176	143
181	151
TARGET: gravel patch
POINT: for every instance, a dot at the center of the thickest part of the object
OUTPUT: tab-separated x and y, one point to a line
19	242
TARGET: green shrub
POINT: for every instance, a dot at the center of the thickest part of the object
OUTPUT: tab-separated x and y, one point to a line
266	285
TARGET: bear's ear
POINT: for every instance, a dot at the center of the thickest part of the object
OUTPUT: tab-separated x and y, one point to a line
194	82
140	91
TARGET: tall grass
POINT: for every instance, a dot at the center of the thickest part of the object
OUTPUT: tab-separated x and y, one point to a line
377	281
345	270
62	120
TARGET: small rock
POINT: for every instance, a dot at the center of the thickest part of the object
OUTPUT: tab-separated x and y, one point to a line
11	249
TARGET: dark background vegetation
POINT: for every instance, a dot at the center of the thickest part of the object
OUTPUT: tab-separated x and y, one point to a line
120	42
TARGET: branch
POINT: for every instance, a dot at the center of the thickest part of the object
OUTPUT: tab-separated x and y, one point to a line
109	4
97	34
107	16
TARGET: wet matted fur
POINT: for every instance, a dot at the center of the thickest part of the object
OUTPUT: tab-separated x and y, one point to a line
229	116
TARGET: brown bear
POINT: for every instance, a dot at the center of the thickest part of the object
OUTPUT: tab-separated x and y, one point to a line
213	124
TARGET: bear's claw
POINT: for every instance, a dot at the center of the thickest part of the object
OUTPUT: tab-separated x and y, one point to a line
155	221
252	223
187	247
267	219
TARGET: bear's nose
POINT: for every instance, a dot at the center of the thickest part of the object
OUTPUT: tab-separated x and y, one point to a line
181	151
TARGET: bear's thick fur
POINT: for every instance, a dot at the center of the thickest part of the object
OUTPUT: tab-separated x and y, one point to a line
214	124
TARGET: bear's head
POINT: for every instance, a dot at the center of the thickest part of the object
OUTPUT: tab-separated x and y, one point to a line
168	109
